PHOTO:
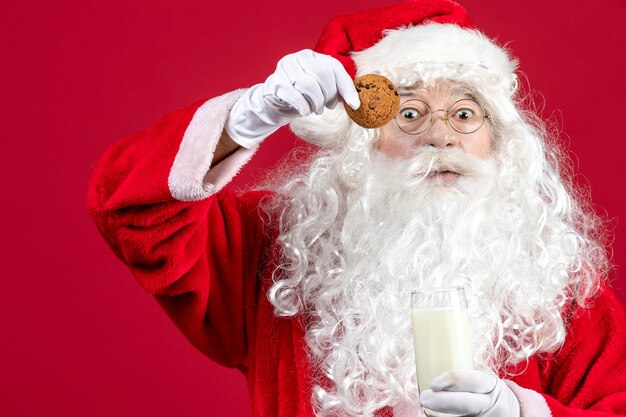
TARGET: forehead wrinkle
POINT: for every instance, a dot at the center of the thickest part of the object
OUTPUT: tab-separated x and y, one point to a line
456	91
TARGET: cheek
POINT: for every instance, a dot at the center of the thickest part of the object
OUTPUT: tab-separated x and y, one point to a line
394	146
481	148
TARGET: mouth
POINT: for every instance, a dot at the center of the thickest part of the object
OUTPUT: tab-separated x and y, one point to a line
443	176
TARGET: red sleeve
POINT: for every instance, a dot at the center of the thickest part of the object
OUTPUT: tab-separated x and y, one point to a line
587	378
199	259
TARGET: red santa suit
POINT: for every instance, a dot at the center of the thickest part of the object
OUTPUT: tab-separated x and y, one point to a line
208	259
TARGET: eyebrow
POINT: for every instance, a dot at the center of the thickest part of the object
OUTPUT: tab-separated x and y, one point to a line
464	91
405	92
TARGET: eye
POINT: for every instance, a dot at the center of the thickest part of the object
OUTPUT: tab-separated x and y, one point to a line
410	114
466	111
464	114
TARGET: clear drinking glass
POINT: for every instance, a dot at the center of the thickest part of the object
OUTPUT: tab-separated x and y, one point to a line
441	334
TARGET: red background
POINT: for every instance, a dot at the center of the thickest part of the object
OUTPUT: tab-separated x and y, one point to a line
79	337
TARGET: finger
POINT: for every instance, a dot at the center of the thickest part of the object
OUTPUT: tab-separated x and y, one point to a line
293	76
293	98
463	403
345	84
312	93
298	70
475	381
316	69
279	89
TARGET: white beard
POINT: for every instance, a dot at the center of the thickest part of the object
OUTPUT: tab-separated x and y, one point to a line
353	266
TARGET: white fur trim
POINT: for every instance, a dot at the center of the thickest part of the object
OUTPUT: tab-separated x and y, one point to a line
532	403
192	177
435	43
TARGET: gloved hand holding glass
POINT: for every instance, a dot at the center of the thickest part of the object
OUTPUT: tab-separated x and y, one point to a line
447	383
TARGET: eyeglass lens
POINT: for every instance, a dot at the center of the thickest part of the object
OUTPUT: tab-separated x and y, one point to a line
464	116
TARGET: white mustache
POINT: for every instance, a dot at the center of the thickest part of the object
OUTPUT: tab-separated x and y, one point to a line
429	162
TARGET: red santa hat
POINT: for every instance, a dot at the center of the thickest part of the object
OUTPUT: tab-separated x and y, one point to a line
416	40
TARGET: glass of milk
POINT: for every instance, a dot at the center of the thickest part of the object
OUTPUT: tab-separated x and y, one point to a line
441	334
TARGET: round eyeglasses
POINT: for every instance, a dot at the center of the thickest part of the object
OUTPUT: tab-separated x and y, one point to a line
464	116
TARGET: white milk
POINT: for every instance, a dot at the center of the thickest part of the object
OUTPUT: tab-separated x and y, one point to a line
442	342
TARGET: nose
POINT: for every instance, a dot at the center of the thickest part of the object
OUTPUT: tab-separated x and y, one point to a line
440	134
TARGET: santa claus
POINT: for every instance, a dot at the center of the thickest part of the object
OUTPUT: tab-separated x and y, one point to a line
304	284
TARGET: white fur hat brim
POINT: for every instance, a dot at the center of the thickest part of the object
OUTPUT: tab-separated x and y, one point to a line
434	43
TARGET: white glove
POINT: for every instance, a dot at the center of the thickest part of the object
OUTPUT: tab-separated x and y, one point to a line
470	393
304	82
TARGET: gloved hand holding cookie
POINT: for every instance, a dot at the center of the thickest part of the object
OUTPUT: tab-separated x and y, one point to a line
380	101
